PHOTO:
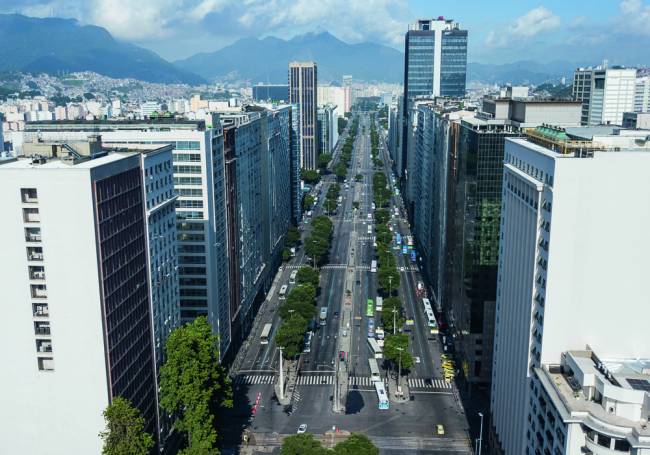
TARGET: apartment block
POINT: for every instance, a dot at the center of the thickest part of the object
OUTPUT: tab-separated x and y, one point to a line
571	267
328	134
77	323
198	173
642	94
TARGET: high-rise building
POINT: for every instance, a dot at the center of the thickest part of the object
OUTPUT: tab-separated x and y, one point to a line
642	94
328	134
77	320
294	143
303	83
606	93
572	244
588	403
200	207
337	96
456	174
435	64
278	93
636	120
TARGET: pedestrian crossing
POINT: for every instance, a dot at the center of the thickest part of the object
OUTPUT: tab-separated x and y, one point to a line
328	379
250	379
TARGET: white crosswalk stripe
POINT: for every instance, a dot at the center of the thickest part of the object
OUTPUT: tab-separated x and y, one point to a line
362	381
316	380
417	383
251	379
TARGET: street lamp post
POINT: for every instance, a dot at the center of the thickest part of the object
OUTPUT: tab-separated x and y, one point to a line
281	375
394	321
399	368
390	285
480	438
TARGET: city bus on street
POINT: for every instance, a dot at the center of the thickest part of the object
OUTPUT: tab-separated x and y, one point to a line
307	342
323	315
374	348
373	266
370	308
374	370
292	277
433	325
371	328
379	305
266	333
426	304
381	395
283	292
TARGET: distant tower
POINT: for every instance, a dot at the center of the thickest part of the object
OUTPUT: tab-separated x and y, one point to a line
302	91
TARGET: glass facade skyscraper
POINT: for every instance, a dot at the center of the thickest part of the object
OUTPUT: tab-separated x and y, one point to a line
303	83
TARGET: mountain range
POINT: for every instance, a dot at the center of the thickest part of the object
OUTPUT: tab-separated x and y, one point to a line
267	59
53	45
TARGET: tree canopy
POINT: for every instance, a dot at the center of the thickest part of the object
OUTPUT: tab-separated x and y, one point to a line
308	275
194	385
392	346
302	444
124	433
356	444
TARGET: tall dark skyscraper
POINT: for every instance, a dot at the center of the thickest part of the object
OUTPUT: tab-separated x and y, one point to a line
435	64
303	83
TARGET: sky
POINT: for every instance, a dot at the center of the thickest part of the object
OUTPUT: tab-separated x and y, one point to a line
500	31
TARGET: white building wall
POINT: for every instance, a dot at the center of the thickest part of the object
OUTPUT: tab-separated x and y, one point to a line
620	86
591	282
53	412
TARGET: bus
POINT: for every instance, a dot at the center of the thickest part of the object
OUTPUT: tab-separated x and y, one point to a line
374	370
283	292
370	308
409	241
369	230
381	395
413	256
374	348
323	315
433	325
307	343
398	238
292	277
426	304
373	266
405	249
371	328
266	333
380	304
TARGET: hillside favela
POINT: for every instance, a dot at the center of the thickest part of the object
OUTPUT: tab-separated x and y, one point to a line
308	227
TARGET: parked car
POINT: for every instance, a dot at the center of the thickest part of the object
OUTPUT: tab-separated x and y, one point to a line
302	428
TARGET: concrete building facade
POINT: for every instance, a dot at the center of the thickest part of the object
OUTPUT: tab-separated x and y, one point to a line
303	83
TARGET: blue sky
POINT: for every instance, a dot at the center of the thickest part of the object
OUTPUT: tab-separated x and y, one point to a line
501	31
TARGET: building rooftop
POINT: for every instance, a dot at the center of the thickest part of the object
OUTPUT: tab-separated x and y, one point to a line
103	125
61	163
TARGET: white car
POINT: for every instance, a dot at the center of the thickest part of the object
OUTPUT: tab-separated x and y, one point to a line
401	269
417	359
302	428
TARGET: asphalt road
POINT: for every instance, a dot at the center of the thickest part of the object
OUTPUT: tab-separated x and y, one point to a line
404	427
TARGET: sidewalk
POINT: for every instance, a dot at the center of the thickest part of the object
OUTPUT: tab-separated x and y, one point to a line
396	395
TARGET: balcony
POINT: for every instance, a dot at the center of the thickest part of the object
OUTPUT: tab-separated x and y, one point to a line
34	253
29	195
33	234
39	291
36	273
31	216
43	346
40	310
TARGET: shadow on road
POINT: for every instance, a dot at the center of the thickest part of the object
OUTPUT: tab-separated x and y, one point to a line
354	403
234	422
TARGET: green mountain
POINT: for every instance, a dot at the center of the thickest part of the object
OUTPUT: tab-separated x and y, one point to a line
267	59
54	45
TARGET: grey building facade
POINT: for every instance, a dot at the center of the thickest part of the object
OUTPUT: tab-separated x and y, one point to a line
303	85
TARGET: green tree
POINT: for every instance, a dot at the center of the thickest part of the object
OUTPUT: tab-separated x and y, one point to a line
340	170
124	433
358	178
308	275
392	346
293	237
194	385
356	444
389	304
382	216
302	444
324	159
307	202
388	276
342	123
309	176
286	255
290	335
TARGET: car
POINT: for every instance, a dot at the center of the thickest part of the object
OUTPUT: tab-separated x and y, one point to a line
417	359
401	269
440	430
344	333
302	428
336	314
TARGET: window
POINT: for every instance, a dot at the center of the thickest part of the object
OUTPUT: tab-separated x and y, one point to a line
46	364
28	195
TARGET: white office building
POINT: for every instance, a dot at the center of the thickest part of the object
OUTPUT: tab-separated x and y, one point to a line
337	96
642	94
572	266
76	328
590	404
200	208
606	93
149	107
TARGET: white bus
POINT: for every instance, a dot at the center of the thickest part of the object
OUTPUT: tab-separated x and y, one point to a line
381	395
266	333
369	230
283	292
374	348
426	304
379	304
433	324
292	277
373	266
374	370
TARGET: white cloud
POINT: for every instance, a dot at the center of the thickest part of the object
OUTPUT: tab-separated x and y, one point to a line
630	6
635	18
531	24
